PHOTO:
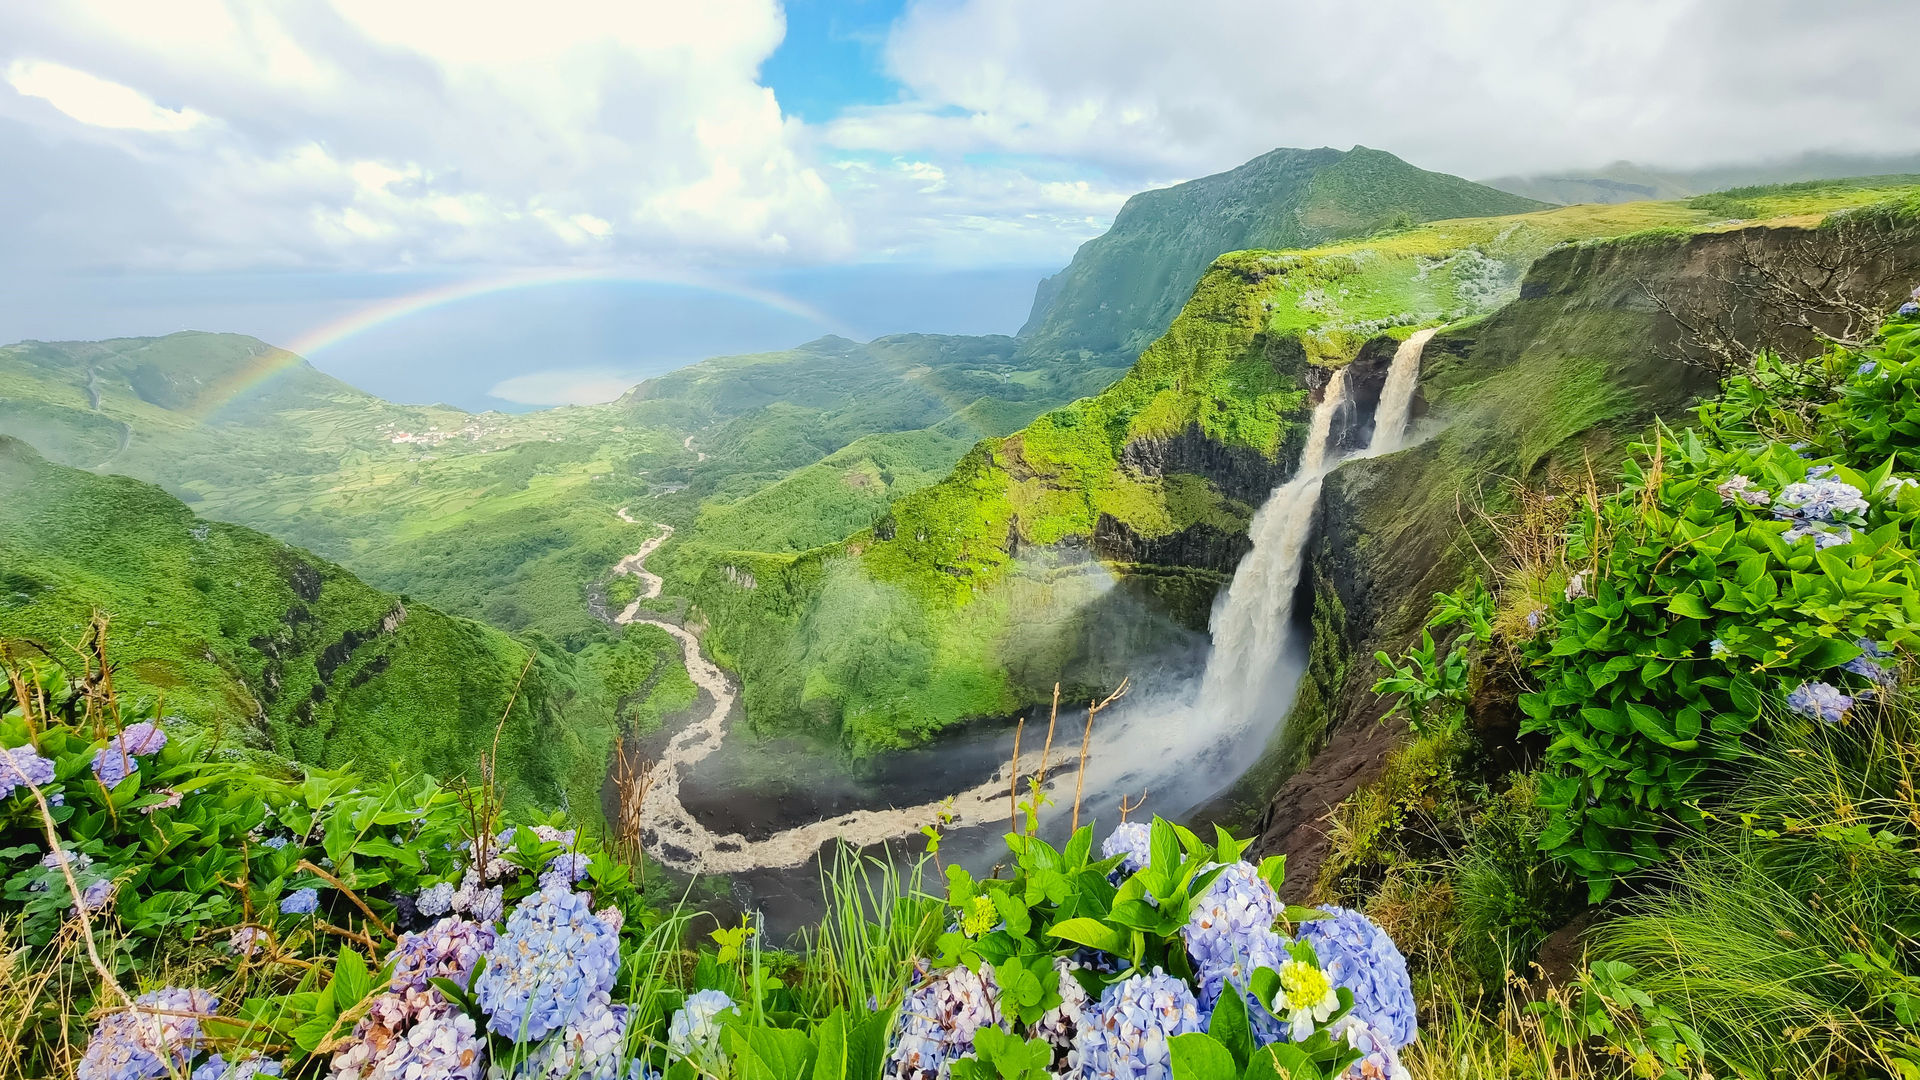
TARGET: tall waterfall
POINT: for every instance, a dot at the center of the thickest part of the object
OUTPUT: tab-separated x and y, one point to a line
1396	397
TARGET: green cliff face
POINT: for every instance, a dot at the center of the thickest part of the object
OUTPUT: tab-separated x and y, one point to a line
1124	288
280	652
1539	392
1091	543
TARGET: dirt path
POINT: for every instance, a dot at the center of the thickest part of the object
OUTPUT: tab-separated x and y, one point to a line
678	840
687	444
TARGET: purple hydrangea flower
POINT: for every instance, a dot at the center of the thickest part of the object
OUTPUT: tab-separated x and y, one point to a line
448	949
412	1037
170	799
158	1034
1819	701
1576	586
1360	956
1136	1017
939	1019
550	835
1135	840
300	902
96	895
1738	489
694	1031
541	973
477	899
21	766
245	941
565	869
1231	923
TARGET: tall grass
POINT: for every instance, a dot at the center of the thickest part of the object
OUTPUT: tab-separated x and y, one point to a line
1786	931
878	920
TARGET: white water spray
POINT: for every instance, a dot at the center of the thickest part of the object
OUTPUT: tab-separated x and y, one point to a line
1396	397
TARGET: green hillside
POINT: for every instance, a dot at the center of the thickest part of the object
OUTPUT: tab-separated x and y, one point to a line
285	653
1099	533
1124	287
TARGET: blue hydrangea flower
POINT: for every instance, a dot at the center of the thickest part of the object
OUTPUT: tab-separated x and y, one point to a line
412	1037
1819	701
23	765
1380	1059
1231	923
565	869
117	760
480	901
1824	535
1909	309
96	895
1865	369
158	1034
592	1047
217	1068
939	1019
1718	649
1872	648
1135	840
1360	956
551	835
1128	1039
448	949
300	902
1872	670
274	842
694	1030
555	954
435	900
1819	499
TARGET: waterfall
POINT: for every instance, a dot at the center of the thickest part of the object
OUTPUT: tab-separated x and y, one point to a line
1396	397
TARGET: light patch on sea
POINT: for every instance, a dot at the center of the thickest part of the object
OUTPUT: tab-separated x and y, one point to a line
566	386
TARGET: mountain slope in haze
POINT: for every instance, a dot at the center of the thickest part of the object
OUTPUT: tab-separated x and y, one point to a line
1092	543
282	652
1625	181
1124	287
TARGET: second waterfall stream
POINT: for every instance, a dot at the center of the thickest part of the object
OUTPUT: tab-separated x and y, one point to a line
1178	746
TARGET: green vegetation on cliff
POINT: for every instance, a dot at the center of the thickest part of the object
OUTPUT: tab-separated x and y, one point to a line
1124	287
273	649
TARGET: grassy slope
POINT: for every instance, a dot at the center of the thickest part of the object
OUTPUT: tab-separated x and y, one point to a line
930	618
1123	288
278	650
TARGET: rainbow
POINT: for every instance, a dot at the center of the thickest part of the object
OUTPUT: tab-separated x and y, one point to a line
277	361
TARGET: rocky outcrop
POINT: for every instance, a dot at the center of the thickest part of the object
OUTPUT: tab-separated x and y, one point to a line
1599	344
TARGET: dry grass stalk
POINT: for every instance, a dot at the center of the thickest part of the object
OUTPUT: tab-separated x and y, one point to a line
1013	785
632	779
1046	752
1086	740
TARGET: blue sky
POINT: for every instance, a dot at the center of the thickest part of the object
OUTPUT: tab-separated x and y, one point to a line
907	164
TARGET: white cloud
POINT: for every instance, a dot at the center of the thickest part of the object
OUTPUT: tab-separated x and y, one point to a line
1478	89
382	133
93	100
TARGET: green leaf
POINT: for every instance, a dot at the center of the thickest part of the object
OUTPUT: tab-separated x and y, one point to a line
775	1054
351	983
1197	1056
1230	1025
830	1055
1092	933
1689	605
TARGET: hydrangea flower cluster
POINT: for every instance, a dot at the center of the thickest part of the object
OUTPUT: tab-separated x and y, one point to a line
1868	665
1380	1059
591	1047
1819	701
1576	586
1230	933
939	1018
411	1037
448	949
116	761
300	902
1060	1026
565	869
435	900
1129	1039
21	766
475	898
1360	956
1822	508
1133	839
218	1067
156	1036
1739	489
542	972
694	1031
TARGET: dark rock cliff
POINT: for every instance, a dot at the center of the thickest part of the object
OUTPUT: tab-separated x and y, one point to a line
1598	345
